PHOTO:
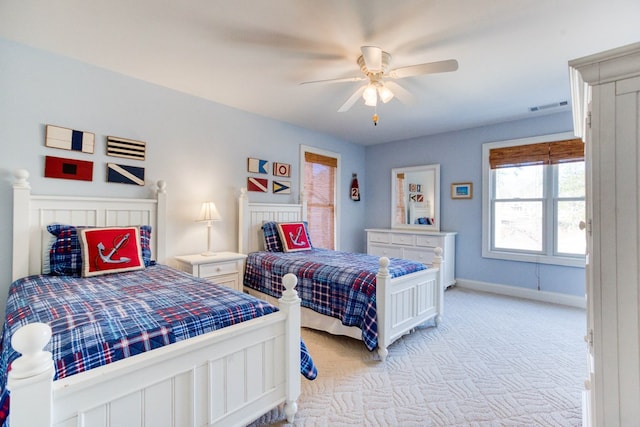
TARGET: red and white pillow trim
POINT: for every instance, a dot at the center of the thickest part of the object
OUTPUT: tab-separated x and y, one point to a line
294	236
110	250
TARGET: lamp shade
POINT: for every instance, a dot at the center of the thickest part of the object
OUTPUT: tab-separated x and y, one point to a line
209	212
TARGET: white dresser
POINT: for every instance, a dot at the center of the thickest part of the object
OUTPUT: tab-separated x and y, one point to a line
416	246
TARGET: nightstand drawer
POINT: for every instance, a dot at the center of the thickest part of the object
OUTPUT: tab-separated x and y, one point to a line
217	269
228	280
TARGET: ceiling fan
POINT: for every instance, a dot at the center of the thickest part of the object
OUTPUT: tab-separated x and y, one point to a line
374	65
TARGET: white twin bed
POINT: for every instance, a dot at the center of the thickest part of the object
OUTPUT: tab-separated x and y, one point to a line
403	302
230	376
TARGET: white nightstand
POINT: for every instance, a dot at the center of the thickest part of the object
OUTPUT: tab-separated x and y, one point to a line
223	268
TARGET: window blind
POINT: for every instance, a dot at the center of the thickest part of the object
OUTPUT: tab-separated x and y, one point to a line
320	159
545	153
320	178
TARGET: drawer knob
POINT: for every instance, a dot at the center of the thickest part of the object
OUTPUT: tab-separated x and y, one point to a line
218	269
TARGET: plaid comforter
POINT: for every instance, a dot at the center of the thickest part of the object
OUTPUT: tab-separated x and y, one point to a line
333	283
106	318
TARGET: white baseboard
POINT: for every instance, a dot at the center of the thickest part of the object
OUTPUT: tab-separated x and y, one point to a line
514	291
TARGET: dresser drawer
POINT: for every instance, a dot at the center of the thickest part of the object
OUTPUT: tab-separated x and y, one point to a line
388	251
420	255
402	239
428	241
217	269
379	237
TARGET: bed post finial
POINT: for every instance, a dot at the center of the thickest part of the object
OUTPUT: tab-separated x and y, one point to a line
30	341
31	377
384	265
162	186
289	281
21	176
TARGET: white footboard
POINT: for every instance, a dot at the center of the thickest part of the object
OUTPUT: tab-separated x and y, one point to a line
227	377
407	301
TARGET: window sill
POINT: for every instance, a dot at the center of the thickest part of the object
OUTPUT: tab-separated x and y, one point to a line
538	259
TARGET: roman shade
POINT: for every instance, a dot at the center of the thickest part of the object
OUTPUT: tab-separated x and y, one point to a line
544	153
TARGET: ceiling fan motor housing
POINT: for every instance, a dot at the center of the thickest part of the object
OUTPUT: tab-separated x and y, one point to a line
386	60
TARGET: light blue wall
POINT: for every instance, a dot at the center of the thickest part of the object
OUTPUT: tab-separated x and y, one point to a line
460	157
199	147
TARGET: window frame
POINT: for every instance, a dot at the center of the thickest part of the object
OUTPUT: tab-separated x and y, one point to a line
308	149
549	254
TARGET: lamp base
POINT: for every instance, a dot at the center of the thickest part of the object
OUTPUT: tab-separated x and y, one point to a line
208	253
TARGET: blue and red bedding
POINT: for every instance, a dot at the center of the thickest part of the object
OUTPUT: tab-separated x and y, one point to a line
333	283
102	319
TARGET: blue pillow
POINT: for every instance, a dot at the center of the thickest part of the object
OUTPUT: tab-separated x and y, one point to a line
65	254
272	242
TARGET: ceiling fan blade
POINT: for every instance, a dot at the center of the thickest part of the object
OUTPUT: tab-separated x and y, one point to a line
372	58
401	93
352	100
428	68
346	79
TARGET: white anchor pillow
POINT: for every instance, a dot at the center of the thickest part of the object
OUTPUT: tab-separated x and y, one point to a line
294	236
110	250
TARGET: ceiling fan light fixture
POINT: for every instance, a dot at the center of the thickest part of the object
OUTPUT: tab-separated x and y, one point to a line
370	96
385	94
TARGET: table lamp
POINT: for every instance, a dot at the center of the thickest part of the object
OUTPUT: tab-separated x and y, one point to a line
208	213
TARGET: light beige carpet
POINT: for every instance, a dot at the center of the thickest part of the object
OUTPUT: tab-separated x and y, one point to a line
493	361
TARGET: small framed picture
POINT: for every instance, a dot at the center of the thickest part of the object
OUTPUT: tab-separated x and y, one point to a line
462	190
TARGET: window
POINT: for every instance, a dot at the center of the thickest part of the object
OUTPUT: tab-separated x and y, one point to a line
320	184
534	200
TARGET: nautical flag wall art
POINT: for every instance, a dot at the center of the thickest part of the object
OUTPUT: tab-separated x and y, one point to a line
257	165
258	184
69	139
125	174
128	148
281	169
57	167
282	187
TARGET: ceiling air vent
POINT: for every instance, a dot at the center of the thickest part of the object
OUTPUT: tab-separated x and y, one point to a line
548	106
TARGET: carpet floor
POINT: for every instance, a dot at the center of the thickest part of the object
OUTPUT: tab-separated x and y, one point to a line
492	361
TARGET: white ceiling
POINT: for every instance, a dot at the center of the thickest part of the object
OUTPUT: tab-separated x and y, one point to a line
252	54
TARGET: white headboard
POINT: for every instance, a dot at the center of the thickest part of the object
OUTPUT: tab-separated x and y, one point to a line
251	216
32	214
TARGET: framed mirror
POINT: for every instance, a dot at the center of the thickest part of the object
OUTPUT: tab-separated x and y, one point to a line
415	197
